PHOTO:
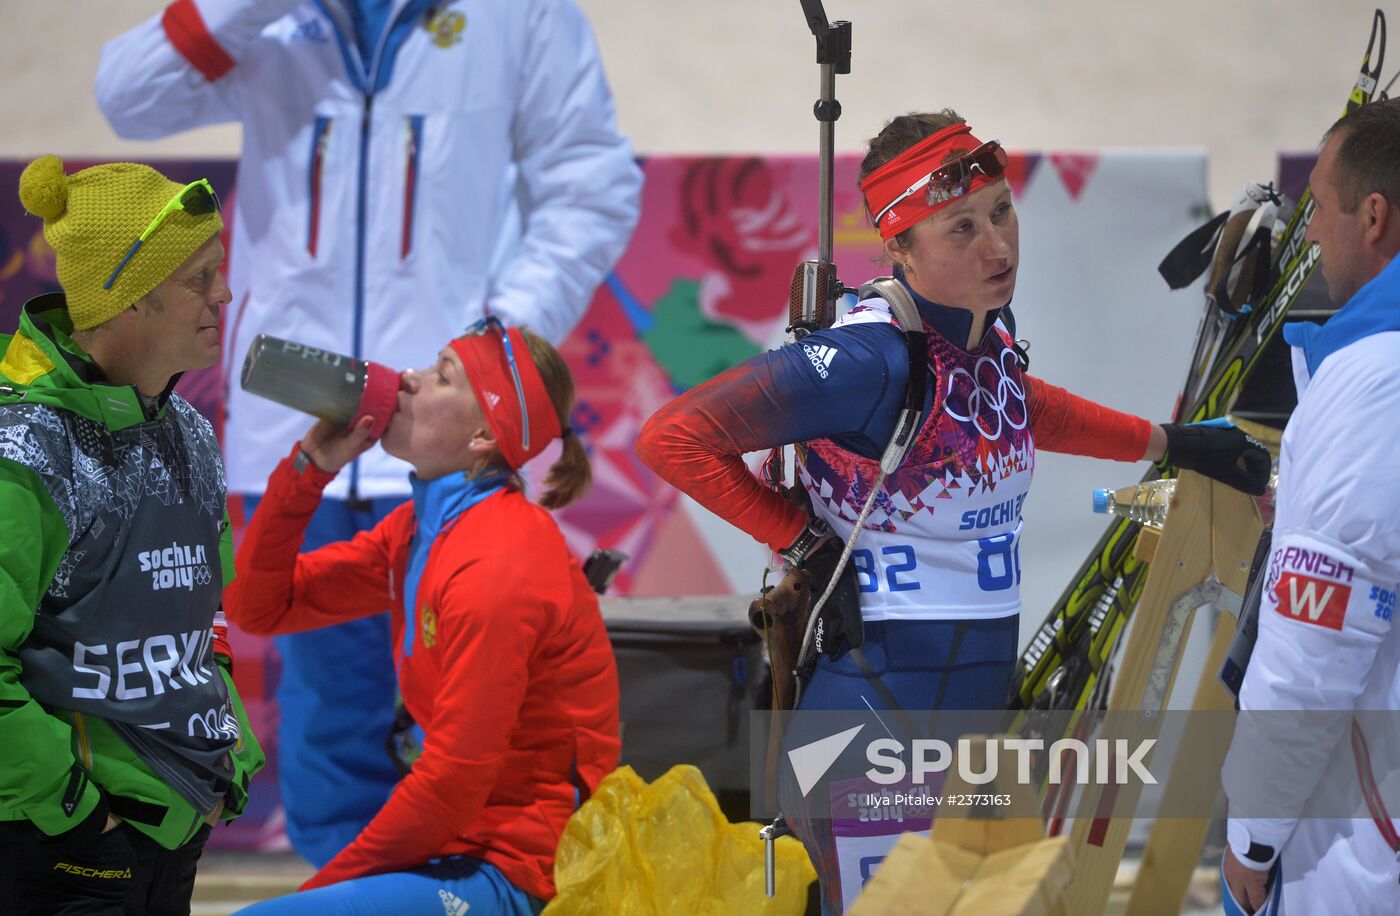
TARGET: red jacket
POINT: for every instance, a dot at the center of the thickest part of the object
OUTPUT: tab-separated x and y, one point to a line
511	674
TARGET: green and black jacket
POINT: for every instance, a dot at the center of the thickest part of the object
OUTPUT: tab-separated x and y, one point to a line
115	552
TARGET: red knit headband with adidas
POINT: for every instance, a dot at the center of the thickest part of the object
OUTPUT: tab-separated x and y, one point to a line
502	374
894	192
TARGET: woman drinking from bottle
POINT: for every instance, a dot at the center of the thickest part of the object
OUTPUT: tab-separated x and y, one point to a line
499	645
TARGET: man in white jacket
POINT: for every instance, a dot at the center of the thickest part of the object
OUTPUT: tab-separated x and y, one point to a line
407	166
1314	791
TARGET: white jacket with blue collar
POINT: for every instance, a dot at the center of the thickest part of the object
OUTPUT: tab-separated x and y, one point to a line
473	164
1322	788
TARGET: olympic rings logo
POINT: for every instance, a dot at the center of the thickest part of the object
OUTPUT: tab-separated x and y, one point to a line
1001	399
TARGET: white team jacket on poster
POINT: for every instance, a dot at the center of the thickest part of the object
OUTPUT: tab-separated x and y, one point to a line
379	204
1326	637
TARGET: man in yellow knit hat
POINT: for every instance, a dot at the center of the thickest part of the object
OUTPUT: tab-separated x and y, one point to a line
122	738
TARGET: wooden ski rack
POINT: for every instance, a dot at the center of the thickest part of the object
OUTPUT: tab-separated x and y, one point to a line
1201	557
997	863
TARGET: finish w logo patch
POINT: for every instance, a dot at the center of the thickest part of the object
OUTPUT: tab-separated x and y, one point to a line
452	905
820	357
1314	601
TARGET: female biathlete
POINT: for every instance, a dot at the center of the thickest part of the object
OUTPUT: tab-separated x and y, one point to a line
937	561
500	648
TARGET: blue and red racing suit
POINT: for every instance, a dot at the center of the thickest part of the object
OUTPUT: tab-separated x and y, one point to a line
937	561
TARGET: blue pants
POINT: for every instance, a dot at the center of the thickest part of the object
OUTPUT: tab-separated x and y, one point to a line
459	886
336	702
922	665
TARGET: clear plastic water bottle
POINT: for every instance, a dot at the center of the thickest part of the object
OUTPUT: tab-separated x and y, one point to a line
1143	502
1269	500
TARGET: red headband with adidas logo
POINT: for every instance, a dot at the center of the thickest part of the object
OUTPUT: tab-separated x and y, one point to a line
895	179
502	373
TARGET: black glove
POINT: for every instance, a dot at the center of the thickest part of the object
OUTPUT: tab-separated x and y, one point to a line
839	624
1221	452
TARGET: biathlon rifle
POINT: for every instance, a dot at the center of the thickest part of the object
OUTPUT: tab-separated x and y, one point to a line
812	298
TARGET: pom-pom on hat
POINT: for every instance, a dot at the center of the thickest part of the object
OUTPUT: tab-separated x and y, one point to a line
91	220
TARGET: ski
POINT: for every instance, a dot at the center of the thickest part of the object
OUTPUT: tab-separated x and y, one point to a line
1237	276
1062	666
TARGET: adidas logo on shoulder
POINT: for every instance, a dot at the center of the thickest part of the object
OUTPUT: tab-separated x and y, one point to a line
820	357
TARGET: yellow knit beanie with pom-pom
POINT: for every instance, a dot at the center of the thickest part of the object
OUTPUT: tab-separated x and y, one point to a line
91	220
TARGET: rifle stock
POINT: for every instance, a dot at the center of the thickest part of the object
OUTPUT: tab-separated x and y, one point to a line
780	616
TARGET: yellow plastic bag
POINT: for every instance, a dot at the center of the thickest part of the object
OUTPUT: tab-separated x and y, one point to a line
653	850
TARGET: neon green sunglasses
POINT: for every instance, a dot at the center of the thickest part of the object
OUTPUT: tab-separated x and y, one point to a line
196	198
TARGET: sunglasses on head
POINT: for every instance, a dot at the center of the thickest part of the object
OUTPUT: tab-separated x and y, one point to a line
492	323
953	179
196	198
